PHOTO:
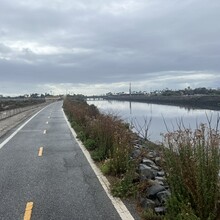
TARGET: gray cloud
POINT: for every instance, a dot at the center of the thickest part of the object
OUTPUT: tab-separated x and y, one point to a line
96	42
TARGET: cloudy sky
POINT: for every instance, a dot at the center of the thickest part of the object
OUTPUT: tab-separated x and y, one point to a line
97	46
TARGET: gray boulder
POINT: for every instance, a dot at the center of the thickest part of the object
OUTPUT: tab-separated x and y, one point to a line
163	196
160	210
153	190
135	153
148	162
158	161
161	173
147	203
146	172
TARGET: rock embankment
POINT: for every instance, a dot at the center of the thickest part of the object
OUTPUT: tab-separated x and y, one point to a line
150	174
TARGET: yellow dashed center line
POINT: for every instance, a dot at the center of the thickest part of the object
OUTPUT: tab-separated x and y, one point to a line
45	131
28	211
40	153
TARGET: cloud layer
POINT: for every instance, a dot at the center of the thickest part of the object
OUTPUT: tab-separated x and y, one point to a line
104	45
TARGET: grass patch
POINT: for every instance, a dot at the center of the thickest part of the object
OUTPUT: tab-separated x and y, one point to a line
124	188
105	167
149	214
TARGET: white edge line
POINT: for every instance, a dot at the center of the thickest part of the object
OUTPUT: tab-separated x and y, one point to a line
117	202
12	135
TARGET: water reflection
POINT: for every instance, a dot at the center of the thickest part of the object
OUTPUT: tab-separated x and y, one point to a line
159	113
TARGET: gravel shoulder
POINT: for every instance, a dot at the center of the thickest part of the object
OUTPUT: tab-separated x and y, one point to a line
7	124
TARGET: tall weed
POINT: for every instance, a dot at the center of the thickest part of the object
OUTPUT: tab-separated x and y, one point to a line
192	163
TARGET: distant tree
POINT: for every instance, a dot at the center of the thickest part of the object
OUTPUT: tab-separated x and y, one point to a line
202	91
34	95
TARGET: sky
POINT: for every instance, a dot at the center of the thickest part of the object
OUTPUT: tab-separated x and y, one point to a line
96	46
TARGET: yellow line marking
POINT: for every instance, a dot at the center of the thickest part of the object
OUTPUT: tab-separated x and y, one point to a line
28	211
40	153
45	131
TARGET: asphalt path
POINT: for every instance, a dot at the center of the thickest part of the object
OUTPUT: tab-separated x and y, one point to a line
60	184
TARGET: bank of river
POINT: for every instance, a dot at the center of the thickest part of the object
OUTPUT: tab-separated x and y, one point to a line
193	101
136	112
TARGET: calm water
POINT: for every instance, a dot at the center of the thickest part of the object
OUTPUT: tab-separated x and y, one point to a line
134	112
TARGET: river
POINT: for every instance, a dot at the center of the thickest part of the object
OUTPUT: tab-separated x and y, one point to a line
162	117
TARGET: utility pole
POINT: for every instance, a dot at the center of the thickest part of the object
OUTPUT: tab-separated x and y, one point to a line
130	89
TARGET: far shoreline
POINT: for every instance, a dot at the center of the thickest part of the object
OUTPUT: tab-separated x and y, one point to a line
210	102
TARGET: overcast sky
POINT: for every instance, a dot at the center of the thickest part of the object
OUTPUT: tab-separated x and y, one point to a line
97	46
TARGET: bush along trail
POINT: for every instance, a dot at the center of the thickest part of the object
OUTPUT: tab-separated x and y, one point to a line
175	181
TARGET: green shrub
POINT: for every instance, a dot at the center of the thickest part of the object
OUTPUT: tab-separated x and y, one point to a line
192	163
98	155
90	144
120	161
179	210
102	129
81	136
105	168
125	187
